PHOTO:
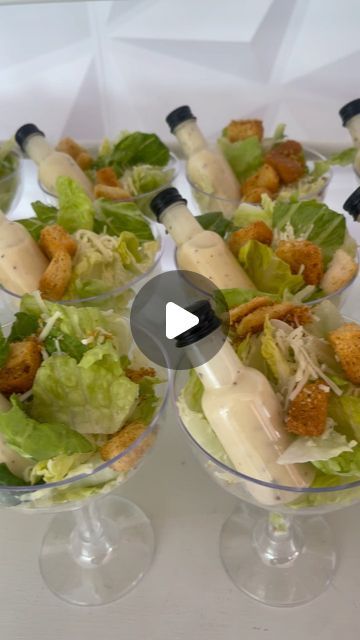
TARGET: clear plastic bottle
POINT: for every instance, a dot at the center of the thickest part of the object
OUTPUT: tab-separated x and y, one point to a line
51	163
207	169
200	251
243	410
350	116
22	263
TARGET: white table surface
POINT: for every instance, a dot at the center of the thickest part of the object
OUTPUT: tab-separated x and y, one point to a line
186	594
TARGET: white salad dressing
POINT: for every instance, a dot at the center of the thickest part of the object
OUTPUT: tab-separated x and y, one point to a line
53	164
350	115
22	263
203	252
207	168
246	416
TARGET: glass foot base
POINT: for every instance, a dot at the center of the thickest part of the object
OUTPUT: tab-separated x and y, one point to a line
99	573
278	583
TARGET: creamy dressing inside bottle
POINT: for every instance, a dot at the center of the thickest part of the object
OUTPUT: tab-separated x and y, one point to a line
200	251
51	163
22	263
245	413
207	169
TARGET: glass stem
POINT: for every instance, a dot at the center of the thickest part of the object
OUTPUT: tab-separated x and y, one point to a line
90	544
278	540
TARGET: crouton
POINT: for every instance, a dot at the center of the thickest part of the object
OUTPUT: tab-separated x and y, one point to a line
84	160
340	271
69	146
107	176
265	177
346	343
286	311
241	129
287	158
307	413
138	374
19	371
255	231
111	193
121	441
237	313
254	196
55	279
302	257
54	238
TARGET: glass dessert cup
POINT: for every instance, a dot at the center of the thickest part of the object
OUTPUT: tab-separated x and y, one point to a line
116	299
10	187
276	547
208	202
99	545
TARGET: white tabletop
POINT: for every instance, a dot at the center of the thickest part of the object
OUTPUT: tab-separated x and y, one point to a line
186	594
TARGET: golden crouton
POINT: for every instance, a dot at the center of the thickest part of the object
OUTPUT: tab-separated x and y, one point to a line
107	176
287	158
237	313
54	238
308	411
255	231
265	177
302	257
241	129
340	271
110	193
346	343
121	441
19	371
84	160
254	196
138	374
286	311
55	279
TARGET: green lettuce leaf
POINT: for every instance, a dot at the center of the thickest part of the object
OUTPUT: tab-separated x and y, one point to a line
193	392
345	411
246	214
268	272
244	156
113	218
9	479
342	159
148	401
278	364
58	468
314	221
344	496
45	215
145	179
24	325
135	148
66	343
307	449
4	348
39	440
235	297
327	317
345	464
215	221
76	210
249	351
93	396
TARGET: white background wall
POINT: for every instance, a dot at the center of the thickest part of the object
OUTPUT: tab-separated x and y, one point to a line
90	68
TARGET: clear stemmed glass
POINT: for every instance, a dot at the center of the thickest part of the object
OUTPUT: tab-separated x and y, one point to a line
269	549
99	545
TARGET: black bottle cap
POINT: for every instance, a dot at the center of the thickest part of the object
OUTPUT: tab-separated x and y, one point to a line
352	204
208	322
25	132
164	199
349	110
178	116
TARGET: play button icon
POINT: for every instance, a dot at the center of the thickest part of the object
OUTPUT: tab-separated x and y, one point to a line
160	313
178	320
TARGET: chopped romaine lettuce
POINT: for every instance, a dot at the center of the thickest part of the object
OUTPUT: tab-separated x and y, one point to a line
76	210
245	214
145	179
312	221
4	348
215	221
24	326
114	217
345	411
345	464
342	159
268	272
9	479
244	156
45	215
147	401
93	396
193	392
58	468
235	297
40	440
275	358
307	449
132	149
